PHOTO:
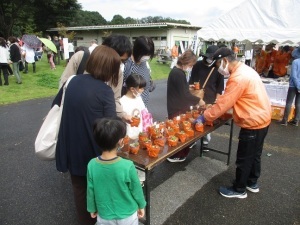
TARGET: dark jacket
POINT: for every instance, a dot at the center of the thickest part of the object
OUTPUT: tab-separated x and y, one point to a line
15	55
214	85
179	98
86	99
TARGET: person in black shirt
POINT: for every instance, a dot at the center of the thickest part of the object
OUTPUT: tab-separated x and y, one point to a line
214	84
179	98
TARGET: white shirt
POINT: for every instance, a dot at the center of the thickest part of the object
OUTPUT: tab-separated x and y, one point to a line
70	47
129	105
92	47
4	55
29	57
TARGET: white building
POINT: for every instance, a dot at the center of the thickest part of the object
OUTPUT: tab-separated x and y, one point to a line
162	34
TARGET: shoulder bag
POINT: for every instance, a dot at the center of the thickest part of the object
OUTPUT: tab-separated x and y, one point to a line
45	142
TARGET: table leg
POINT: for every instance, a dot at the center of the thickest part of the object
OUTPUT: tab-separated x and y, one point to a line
147	193
201	147
230	142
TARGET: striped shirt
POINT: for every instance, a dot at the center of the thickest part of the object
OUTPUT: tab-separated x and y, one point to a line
141	69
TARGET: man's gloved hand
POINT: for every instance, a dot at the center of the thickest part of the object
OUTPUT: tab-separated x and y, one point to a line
200	119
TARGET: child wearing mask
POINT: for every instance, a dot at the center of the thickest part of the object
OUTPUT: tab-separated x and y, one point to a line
110	177
132	102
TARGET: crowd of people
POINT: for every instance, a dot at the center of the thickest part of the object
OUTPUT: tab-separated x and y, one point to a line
273	63
112	85
18	54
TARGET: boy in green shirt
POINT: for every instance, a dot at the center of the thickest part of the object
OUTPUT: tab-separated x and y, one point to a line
114	192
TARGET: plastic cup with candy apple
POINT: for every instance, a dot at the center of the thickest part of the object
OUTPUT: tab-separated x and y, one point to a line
135	119
172	141
143	136
189	132
153	151
134	148
160	141
197	85
146	143
199	127
182	136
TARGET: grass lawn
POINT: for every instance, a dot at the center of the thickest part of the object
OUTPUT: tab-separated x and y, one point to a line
44	83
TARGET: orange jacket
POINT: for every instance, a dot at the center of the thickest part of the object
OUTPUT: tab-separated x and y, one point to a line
270	58
246	94
260	62
281	60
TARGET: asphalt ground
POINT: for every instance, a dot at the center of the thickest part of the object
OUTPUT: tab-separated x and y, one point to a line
32	192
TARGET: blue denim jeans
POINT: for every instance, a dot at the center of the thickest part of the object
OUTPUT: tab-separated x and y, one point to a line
292	93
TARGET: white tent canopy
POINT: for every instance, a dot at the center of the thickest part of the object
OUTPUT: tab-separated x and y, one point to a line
266	21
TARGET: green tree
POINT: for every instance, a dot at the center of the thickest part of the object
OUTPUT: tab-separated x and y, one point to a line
117	19
87	18
24	16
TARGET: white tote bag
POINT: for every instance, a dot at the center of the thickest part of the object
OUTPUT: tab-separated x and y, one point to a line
45	142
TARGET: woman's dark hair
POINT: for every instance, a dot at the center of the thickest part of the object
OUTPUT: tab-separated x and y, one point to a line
108	131
142	46
120	43
81	48
104	64
186	58
12	39
135	80
3	42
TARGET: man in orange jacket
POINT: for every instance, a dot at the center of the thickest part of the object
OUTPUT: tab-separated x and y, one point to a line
246	94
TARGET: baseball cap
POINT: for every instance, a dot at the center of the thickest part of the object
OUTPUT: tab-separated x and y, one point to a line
222	52
210	51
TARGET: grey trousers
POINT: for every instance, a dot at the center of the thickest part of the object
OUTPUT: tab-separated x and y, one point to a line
131	220
16	71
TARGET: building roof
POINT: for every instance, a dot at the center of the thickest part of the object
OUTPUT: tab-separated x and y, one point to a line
126	26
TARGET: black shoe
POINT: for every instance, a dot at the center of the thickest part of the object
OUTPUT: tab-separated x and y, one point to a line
294	123
25	72
229	192
283	123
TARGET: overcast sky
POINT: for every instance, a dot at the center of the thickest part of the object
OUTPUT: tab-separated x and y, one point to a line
197	12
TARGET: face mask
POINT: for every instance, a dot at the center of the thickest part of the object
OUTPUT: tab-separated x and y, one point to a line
145	58
189	69
224	71
137	94
122	67
209	61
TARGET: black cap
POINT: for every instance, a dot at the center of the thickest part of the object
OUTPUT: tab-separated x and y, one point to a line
210	51
222	52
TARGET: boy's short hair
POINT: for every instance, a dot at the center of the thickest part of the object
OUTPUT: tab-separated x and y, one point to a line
135	80
108	131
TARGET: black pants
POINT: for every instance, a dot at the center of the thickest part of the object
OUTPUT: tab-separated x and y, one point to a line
248	162
4	70
79	185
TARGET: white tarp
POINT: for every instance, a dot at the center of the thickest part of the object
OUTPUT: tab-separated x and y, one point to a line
257	20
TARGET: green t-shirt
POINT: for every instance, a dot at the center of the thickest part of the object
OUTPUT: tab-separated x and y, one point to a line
113	188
